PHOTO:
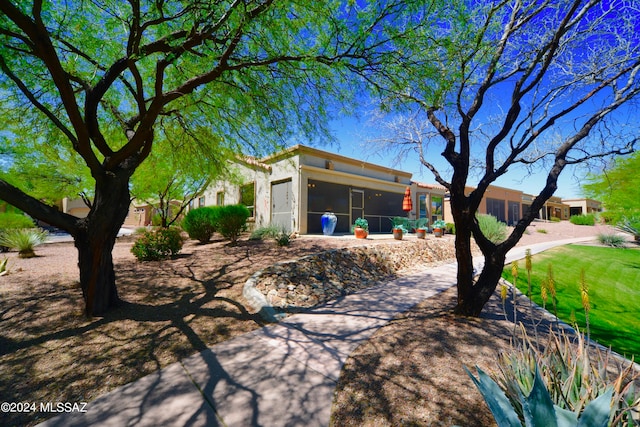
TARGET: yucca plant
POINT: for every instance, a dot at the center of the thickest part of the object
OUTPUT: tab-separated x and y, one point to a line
23	240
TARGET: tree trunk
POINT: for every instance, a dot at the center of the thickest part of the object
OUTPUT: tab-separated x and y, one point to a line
464	259
95	240
472	296
476	296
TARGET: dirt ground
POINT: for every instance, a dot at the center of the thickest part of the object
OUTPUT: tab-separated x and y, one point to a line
49	351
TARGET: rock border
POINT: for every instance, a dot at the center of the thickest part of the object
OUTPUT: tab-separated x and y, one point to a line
315	279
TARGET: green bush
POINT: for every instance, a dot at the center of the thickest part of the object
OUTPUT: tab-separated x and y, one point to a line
158	244
613	240
23	239
231	220
200	223
588	219
555	219
10	220
492	229
450	227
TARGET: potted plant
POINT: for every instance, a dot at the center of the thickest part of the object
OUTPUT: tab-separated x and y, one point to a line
421	228
438	228
361	228
398	227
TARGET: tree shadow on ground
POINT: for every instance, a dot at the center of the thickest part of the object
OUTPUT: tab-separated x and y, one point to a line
171	309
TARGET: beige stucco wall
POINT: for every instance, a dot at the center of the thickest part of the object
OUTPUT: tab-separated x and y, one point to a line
587	205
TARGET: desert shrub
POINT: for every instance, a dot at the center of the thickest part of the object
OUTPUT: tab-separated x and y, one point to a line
23	239
262	233
450	228
541	230
200	223
283	238
587	219
231	220
555	219
158	244
492	229
611	239
10	220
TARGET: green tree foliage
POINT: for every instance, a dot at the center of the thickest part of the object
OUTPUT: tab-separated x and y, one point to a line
85	86
618	188
14	220
489	86
175	173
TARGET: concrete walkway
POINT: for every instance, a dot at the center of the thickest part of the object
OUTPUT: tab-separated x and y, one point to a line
281	375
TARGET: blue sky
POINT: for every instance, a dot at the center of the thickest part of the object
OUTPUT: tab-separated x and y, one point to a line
353	140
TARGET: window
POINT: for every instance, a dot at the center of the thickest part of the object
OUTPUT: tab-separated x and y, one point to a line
436	208
248	197
496	207
422	205
201	202
220	198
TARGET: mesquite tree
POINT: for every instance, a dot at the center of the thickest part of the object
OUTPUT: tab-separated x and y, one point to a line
496	85
86	82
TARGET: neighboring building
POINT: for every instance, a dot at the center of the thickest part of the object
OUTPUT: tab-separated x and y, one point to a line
582	206
75	207
295	187
509	205
139	215
554	208
505	204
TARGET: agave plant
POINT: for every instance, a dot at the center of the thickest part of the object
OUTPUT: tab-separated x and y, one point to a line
538	410
631	225
566	384
24	240
3	266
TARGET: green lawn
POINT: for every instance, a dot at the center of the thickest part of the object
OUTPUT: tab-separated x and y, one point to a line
613	279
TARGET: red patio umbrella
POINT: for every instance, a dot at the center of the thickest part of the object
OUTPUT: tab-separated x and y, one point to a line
407	204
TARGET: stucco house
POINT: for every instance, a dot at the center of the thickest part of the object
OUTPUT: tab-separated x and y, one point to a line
295	187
